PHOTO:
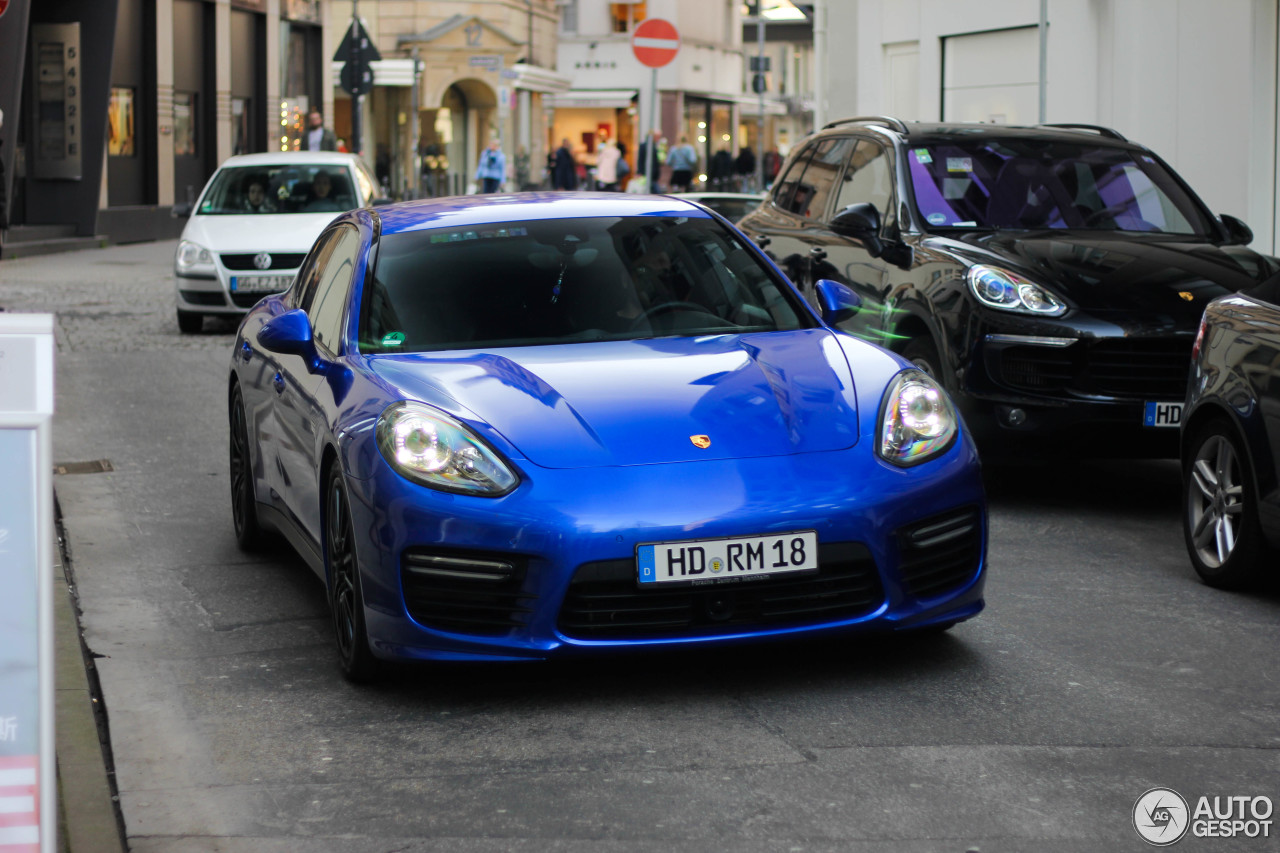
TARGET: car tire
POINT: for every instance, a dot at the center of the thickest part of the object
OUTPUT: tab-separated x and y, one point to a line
244	504
189	322
1220	509
342	569
923	353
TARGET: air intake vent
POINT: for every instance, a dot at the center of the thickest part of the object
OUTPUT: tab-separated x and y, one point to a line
940	553
465	592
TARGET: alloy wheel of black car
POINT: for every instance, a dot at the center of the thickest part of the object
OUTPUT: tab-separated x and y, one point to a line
1220	517
346	601
244	512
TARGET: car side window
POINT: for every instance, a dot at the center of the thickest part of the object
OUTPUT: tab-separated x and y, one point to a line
869	178
333	285
822	175
784	189
304	287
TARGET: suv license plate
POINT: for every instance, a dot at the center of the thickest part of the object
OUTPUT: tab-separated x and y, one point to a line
709	561
259	283
1162	415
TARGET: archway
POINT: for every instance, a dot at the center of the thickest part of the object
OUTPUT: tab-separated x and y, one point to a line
453	135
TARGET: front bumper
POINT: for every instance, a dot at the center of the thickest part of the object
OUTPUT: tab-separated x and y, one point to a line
899	548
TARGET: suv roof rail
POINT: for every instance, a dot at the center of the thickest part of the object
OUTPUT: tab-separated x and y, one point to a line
888	121
1097	128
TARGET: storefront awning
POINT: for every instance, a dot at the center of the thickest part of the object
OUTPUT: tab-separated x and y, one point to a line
386	72
536	79
615	98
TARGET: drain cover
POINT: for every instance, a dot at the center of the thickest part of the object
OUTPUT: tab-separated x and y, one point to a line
97	466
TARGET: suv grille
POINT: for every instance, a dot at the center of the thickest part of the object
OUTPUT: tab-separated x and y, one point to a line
465	591
603	601
1117	367
279	260
941	552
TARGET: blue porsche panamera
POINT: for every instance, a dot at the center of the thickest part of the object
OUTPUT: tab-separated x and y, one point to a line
527	426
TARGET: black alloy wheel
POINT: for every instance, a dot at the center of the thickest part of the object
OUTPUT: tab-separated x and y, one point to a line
1220	510
346	601
244	507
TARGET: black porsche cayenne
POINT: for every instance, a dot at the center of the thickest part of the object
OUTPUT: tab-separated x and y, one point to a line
1053	277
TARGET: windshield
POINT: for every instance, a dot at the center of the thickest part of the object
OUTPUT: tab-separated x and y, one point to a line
569	280
1025	184
289	188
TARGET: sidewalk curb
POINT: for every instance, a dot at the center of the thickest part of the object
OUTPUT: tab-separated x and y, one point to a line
88	819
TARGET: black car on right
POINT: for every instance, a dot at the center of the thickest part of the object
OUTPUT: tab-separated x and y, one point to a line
1231	440
1052	277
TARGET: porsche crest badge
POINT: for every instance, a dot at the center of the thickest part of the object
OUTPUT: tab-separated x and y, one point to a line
702	441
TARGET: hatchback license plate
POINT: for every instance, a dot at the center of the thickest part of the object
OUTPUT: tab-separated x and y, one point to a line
709	561
1162	414
259	283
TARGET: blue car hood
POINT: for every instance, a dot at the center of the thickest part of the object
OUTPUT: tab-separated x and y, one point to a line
643	402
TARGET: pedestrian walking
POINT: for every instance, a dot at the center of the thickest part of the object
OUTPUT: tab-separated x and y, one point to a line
492	170
318	137
682	159
564	173
745	166
607	166
649	158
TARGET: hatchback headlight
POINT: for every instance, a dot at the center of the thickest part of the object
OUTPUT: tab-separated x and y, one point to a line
917	420
429	447
997	288
193	258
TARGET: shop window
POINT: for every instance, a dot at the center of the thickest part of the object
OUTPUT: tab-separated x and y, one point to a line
625	16
121	141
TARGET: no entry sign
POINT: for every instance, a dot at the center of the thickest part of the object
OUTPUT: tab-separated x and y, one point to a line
655	42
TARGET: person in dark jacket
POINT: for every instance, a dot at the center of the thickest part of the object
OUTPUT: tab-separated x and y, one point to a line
745	166
564	174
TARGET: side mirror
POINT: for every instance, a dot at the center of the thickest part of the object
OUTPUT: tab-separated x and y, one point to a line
838	303
862	222
1238	233
290	334
181	210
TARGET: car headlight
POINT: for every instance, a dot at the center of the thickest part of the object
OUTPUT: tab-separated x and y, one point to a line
429	447
1008	291
917	420
193	258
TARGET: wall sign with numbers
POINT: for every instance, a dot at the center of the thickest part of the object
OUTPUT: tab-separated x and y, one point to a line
55	109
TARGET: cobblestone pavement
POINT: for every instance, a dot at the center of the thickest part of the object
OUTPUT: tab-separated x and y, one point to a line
117	299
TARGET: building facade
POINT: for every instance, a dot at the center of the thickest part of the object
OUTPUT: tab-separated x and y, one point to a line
1197	82
177	87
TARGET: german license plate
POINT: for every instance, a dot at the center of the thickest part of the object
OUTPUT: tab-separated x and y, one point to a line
1162	414
259	283
710	561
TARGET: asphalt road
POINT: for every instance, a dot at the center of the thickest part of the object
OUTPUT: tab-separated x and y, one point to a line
1100	669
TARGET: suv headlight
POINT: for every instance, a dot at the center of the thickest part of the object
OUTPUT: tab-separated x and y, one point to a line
917	420
997	288
193	259
431	448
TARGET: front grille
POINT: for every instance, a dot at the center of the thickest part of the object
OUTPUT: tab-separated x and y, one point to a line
1136	368
279	260
203	297
467	592
603	602
940	553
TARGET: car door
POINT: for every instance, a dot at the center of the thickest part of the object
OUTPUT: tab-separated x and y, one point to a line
305	406
867	177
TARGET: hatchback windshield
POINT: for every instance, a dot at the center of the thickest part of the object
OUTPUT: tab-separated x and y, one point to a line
565	280
1025	184
291	188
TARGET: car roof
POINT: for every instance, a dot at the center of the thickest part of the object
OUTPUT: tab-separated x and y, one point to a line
484	209
921	131
287	158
